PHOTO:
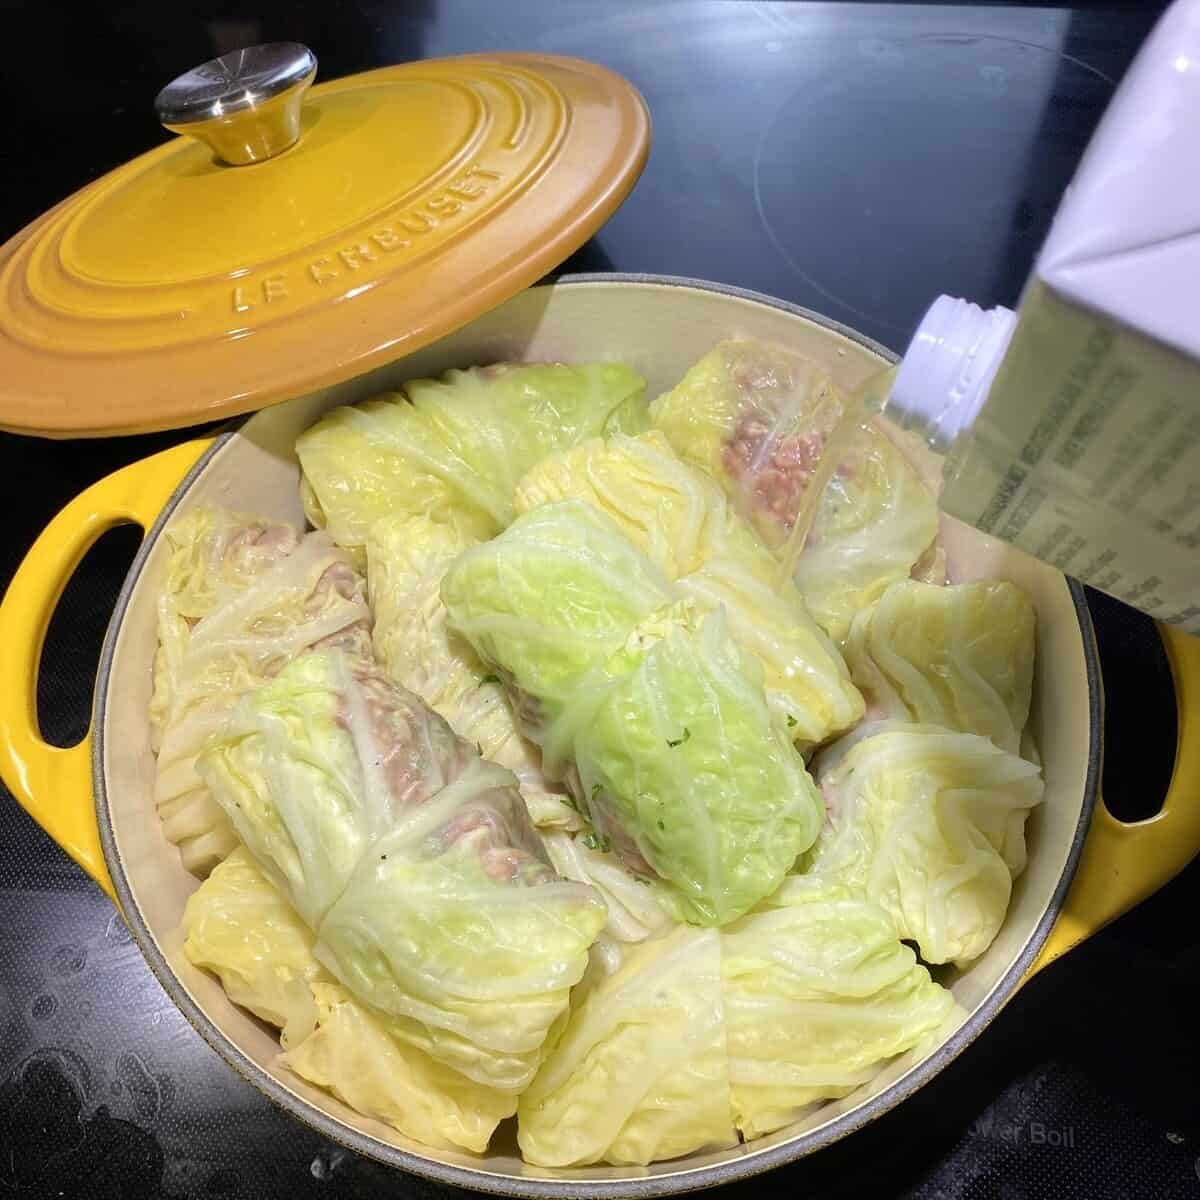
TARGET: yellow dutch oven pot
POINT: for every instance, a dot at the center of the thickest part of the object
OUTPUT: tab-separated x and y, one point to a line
96	799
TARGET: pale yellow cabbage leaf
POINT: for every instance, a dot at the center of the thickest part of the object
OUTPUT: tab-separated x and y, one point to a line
958	656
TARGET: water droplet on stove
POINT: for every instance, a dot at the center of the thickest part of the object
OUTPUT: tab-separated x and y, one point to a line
143	1088
116	930
68	960
326	1163
43	1007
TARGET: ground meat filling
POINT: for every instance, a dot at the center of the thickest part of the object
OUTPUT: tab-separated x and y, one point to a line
773	471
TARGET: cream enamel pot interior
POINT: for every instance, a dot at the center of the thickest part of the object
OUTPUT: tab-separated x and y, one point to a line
659	326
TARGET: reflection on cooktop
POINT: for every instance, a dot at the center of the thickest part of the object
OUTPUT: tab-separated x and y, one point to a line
875	189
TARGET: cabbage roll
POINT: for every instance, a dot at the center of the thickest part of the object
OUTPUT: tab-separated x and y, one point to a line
354	1055
412	860
757	418
243	595
960	657
453	448
929	824
406	559
238	926
679	518
652	715
641	1072
819	994
701	1034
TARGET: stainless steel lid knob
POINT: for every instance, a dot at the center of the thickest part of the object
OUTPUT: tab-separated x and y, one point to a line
245	104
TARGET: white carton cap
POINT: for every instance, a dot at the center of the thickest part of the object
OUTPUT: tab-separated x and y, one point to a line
948	367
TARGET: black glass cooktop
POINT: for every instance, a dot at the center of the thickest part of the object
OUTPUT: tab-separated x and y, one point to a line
854	158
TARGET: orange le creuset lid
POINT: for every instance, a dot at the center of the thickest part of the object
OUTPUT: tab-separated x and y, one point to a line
299	237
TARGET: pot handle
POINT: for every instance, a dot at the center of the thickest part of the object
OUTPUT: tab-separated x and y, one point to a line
53	784
1123	863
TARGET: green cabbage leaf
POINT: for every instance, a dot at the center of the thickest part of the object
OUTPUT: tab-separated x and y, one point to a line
640	1073
453	448
819	994
959	656
238	926
930	825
